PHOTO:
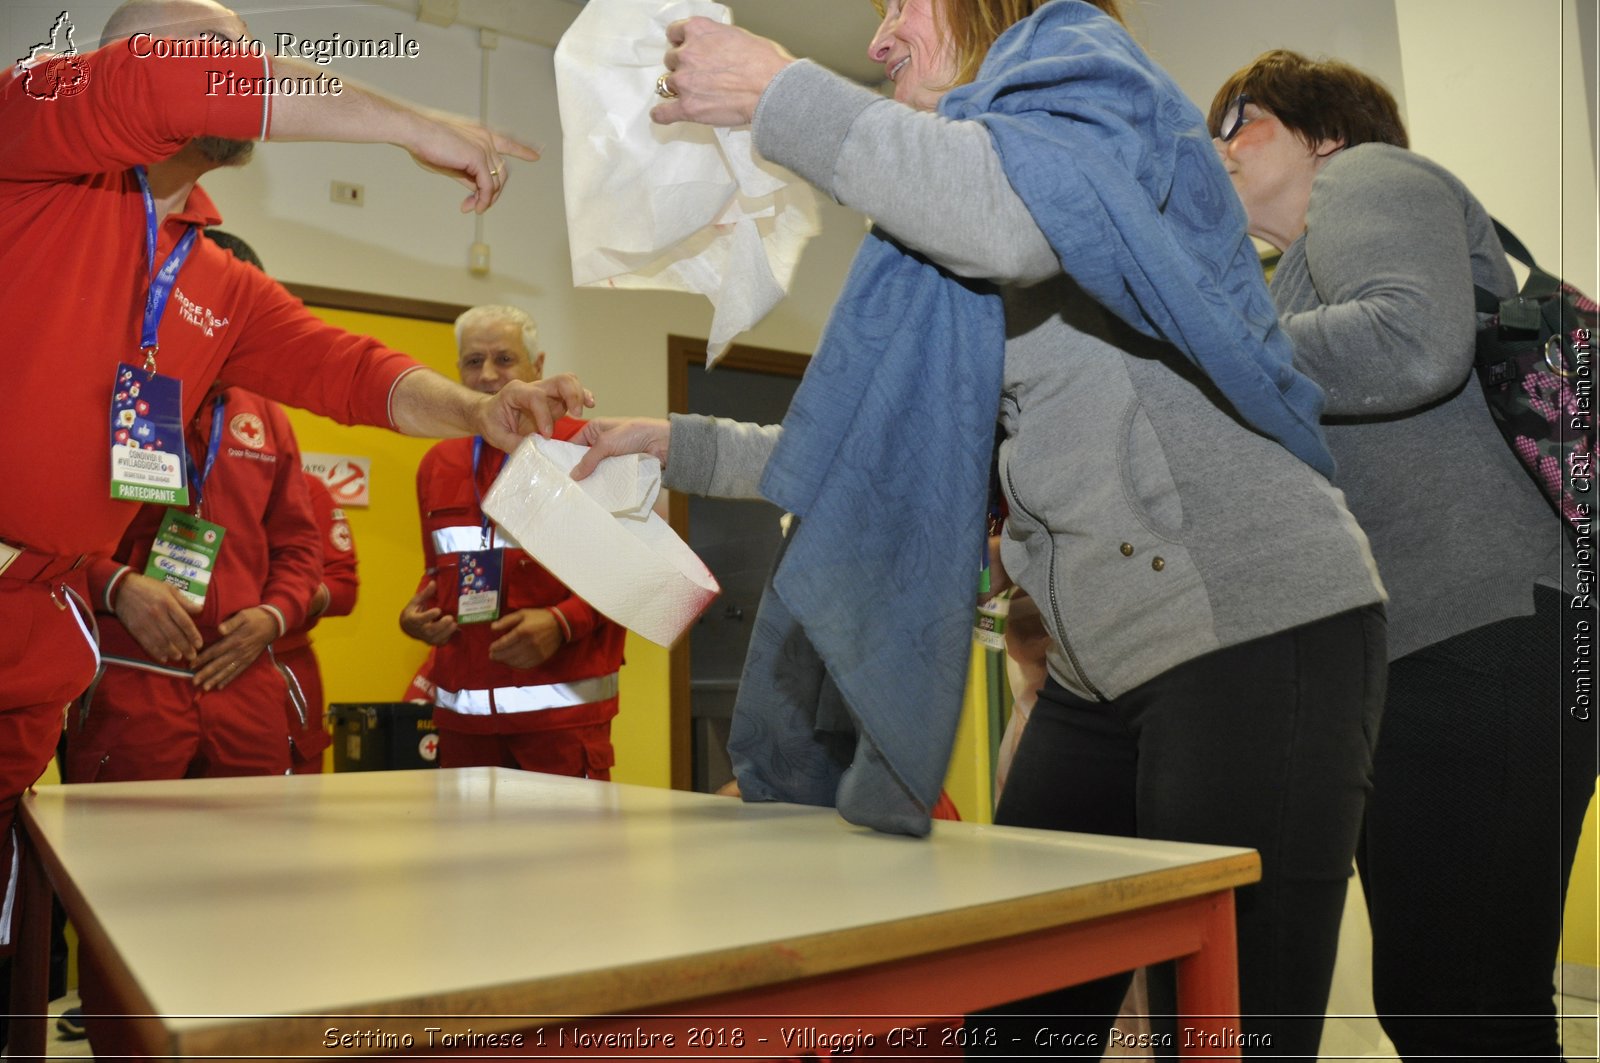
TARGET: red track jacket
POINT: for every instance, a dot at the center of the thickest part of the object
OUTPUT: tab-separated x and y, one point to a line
493	698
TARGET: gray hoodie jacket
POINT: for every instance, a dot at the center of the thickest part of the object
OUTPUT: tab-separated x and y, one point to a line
1149	524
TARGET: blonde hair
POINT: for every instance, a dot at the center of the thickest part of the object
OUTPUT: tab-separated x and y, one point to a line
972	26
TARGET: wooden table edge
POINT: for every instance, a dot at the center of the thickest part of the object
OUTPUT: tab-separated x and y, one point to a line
661	986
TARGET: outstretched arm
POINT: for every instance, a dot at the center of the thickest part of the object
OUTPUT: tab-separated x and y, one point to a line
711	456
457	147
427	404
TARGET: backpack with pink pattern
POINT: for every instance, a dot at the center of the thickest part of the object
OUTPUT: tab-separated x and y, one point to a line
1536	364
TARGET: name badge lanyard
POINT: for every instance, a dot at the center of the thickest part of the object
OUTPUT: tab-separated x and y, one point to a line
162	280
477	453
199	483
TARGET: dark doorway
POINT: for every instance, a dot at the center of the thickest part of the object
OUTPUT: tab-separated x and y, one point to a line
736	539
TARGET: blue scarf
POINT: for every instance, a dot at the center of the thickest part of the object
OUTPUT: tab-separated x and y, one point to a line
853	685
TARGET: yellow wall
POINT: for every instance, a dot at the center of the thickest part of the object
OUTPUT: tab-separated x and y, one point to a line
1580	941
971	778
364	656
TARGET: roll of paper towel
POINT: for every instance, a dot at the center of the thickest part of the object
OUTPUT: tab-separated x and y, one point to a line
601	536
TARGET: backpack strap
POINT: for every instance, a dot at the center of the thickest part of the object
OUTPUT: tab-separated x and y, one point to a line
1539	285
1514	247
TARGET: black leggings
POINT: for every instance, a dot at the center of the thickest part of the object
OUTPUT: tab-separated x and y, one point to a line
1267	744
1482	780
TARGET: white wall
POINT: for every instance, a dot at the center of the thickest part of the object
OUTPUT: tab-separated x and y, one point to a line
1483	83
1495	90
409	239
1505	110
1201	42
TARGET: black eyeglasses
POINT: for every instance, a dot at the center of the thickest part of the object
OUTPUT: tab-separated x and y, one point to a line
1233	118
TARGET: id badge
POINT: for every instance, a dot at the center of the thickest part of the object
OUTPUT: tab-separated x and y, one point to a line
184	554
147	452
479	572
989	629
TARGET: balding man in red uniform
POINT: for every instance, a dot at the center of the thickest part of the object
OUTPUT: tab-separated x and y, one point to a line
100	155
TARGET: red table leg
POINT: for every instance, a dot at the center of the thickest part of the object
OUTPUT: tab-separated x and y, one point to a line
1208	988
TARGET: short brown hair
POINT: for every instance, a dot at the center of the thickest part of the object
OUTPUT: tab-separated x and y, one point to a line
974	25
1315	99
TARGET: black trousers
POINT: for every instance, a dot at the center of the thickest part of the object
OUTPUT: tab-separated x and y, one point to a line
1267	744
1483	776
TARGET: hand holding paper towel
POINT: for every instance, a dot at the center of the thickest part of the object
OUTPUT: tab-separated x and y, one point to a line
681	207
601	536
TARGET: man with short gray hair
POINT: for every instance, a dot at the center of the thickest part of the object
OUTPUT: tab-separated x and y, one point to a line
524	671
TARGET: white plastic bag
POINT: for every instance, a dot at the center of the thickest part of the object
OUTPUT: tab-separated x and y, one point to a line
683	207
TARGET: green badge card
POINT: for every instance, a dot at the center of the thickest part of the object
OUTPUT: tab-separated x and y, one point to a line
989	628
185	553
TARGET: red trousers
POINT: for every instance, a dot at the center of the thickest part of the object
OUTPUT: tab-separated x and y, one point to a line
149	725
584	752
46	660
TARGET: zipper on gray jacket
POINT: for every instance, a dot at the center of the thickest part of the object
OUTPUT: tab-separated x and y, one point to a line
1055	603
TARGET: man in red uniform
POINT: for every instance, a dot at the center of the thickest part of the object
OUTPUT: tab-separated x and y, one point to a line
533	682
99	158
335	596
308	737
153	715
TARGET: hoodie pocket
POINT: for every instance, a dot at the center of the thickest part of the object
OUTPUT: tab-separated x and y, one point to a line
1147	481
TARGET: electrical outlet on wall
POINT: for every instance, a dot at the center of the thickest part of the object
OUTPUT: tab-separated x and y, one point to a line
346	193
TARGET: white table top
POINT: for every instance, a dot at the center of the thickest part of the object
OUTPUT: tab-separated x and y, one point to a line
468	891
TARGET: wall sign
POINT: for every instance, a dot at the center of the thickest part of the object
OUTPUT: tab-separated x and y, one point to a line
347	477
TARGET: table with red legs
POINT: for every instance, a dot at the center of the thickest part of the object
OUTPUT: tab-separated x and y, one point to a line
482	911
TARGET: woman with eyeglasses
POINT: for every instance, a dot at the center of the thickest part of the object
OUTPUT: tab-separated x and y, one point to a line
1054	246
1481	778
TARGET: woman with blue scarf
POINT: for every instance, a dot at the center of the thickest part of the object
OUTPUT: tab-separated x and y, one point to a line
1056	247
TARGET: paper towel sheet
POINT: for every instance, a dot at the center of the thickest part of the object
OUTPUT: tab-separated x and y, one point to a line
682	207
601	536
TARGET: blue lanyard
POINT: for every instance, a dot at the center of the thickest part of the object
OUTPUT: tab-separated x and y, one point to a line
211	454
477	452
162	280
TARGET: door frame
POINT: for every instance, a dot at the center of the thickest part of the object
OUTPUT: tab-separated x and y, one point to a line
682	353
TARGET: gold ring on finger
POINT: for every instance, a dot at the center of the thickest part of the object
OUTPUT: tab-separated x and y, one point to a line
663	89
